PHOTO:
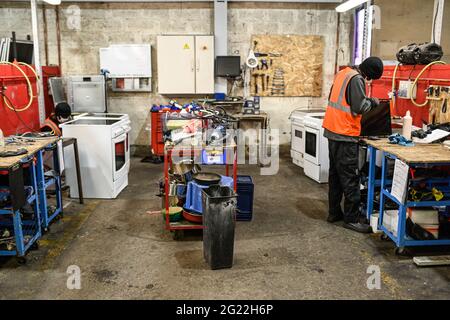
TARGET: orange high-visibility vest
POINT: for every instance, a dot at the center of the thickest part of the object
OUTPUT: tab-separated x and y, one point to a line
53	126
339	117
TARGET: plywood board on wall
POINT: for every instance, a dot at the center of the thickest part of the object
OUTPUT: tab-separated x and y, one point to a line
289	65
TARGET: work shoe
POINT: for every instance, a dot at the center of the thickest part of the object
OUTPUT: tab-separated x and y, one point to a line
358	227
332	218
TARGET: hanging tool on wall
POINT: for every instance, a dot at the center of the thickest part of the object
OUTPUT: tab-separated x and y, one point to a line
278	86
439	98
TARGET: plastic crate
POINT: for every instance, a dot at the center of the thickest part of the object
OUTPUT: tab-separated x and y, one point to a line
194	194
245	191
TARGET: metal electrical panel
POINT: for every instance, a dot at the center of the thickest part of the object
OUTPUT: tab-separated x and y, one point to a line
86	93
185	64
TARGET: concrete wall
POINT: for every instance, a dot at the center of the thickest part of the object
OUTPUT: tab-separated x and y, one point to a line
407	21
103	24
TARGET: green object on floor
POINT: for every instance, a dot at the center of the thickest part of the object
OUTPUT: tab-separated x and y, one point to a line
175	214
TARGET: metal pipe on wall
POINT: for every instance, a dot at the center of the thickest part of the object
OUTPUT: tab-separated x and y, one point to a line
37	60
44	20
58	37
336	66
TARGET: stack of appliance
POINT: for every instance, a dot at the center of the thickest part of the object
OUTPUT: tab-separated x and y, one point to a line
104	153
309	148
317	163
86	93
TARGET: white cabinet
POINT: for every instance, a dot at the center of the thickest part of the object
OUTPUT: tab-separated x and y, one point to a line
185	64
204	54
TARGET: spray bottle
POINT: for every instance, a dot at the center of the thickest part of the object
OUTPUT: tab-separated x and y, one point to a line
2	140
407	126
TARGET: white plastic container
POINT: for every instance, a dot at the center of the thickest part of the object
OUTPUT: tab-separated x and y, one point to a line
407	125
374	222
390	221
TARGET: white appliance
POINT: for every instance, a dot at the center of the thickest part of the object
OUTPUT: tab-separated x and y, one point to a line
104	152
316	165
86	93
98	115
185	64
297	133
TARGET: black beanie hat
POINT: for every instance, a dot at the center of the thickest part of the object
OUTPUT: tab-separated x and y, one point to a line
63	110
372	68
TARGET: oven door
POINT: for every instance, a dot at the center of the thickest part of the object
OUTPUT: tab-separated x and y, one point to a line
121	155
297	138
311	143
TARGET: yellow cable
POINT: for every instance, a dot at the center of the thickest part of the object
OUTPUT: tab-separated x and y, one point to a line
417	80
35	74
30	88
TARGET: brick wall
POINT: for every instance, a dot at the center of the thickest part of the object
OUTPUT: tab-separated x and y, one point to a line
111	23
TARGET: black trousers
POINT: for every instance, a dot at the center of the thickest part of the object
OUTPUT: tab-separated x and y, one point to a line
344	180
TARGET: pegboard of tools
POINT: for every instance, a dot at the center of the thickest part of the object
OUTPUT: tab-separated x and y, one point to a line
267	80
439	99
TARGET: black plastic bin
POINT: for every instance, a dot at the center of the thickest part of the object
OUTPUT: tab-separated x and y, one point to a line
219	211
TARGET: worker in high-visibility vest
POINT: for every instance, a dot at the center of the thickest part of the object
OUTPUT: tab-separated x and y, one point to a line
347	103
62	114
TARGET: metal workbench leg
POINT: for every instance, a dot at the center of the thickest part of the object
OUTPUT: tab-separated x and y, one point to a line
57	168
166	188
383	184
36	207
77	166
371	181
401	229
18	233
41	189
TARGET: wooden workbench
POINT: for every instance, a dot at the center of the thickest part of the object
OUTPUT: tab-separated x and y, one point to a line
419	153
32	147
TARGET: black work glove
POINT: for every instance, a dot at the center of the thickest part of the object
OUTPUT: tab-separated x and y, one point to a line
375	102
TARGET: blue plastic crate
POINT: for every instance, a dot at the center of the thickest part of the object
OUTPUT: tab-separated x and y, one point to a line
245	191
194	194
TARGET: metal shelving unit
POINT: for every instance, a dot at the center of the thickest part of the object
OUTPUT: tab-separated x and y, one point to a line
192	152
24	228
402	240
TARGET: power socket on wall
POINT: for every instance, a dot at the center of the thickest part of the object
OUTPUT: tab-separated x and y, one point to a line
404	90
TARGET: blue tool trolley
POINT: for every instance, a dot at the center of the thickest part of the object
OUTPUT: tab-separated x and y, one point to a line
23	228
45	180
419	156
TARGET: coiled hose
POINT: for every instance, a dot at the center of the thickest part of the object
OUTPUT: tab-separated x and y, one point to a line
27	79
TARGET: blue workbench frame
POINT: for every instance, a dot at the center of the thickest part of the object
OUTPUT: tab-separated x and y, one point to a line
401	239
44	184
39	201
18	223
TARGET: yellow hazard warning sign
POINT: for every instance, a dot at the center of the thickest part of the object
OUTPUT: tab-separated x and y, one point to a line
186	46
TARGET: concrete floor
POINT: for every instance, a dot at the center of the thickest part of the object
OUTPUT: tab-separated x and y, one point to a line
287	252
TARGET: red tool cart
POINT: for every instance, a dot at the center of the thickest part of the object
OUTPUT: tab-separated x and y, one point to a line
157	134
193	152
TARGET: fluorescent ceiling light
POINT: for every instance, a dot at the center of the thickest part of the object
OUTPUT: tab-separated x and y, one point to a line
54	2
350	4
